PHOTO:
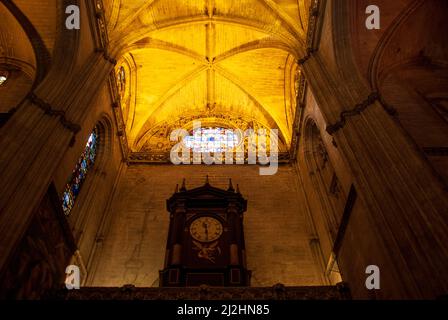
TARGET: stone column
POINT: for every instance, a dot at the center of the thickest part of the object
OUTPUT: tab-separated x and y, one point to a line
37	135
407	205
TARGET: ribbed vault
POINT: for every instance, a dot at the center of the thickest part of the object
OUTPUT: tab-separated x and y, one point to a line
225	62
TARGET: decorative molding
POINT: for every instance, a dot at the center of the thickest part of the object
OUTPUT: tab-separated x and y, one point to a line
118	114
110	59
388	108
276	292
164	158
106	56
297	125
313	24
49	110
101	24
358	109
309	55
313	30
99	30
149	157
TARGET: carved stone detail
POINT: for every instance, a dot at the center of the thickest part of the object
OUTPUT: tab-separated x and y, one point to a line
371	99
277	292
164	157
49	110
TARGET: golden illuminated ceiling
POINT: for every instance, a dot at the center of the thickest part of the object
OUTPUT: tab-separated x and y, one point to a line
229	63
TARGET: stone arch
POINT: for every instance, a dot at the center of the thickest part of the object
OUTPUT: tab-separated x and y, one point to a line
105	149
17	62
128	97
39	49
411	75
106	145
89	210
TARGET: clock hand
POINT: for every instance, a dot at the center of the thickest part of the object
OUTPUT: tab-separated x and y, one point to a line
206	230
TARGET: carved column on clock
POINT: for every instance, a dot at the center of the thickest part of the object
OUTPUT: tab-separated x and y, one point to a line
173	257
233	216
237	264
236	254
177	233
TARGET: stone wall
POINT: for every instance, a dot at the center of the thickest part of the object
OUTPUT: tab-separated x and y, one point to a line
277	239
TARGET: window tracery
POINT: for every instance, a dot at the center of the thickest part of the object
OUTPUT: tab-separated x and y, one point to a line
212	139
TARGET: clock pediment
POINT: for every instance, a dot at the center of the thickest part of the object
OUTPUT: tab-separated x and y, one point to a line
206	196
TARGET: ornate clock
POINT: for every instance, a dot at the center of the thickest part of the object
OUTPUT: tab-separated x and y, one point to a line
206	239
206	229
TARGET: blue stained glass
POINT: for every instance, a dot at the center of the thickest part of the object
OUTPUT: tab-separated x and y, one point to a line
79	174
211	140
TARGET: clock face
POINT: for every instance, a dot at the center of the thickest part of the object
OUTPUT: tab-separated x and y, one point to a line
206	229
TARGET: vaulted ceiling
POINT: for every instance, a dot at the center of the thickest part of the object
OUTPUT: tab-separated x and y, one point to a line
229	63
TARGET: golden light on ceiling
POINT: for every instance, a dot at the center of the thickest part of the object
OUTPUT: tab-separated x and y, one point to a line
228	63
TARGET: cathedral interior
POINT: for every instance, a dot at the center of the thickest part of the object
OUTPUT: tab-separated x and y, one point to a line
356	106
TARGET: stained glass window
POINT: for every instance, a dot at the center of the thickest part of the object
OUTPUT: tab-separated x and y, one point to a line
79	174
212	140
